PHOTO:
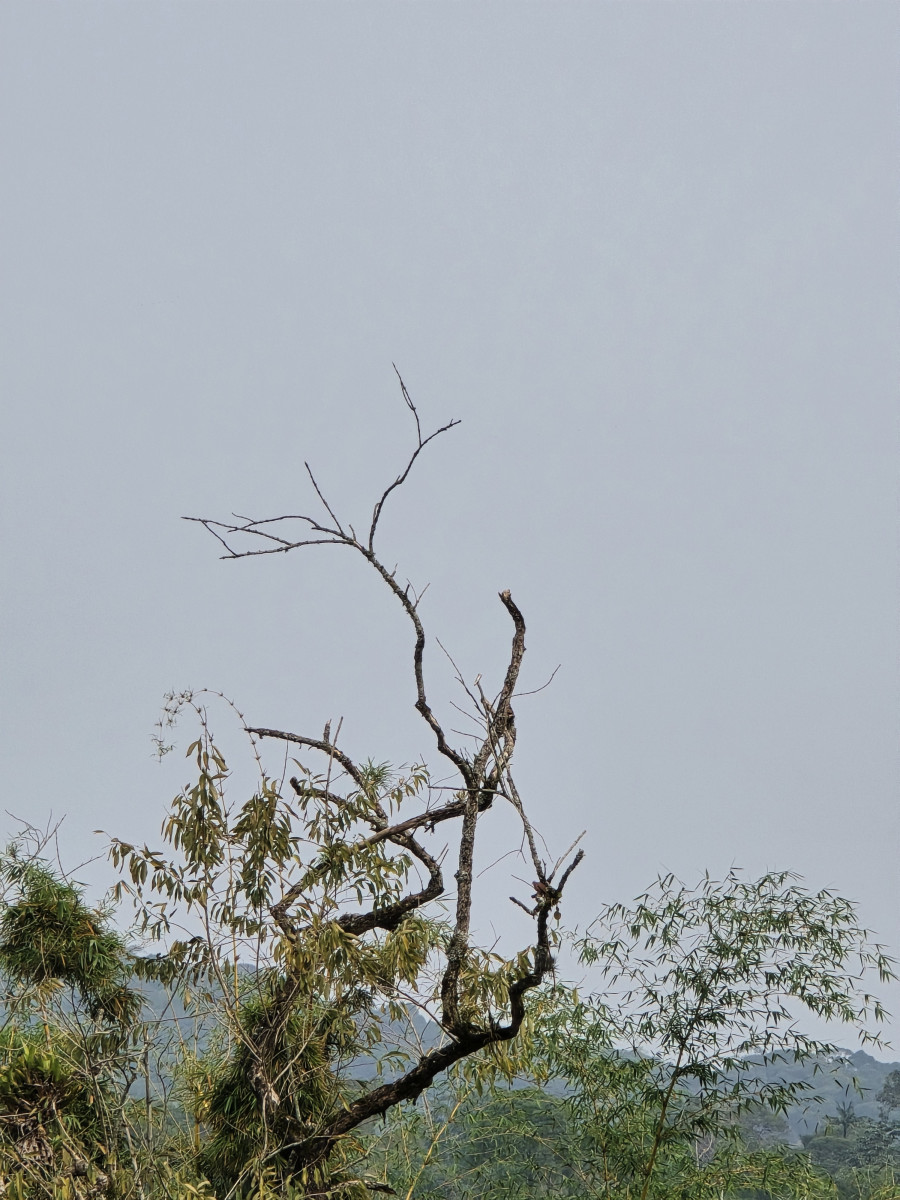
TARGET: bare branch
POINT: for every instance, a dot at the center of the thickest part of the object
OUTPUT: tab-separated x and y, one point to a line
500	724
563	857
512	794
459	677
315	744
282	545
409	403
389	916
337	535
324	501
518	651
428	819
564	878
534	691
401	478
466	1039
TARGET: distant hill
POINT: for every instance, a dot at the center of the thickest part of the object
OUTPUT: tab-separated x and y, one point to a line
853	1076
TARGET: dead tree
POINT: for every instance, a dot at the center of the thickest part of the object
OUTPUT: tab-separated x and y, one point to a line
484	776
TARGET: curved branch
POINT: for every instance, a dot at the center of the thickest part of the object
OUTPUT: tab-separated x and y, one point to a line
316	744
422	706
337	535
468	1041
401	478
391	916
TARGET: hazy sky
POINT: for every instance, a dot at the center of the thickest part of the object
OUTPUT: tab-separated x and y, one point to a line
647	252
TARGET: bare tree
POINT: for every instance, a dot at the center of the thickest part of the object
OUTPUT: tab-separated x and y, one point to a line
483	775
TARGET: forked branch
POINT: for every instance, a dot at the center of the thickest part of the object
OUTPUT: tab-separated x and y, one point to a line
401	478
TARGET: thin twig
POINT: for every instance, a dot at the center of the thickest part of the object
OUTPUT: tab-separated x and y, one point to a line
535	691
324	501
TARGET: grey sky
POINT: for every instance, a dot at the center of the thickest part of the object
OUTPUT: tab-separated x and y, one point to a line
647	252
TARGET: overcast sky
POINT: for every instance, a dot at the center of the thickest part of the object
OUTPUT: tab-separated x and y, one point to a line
648	253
